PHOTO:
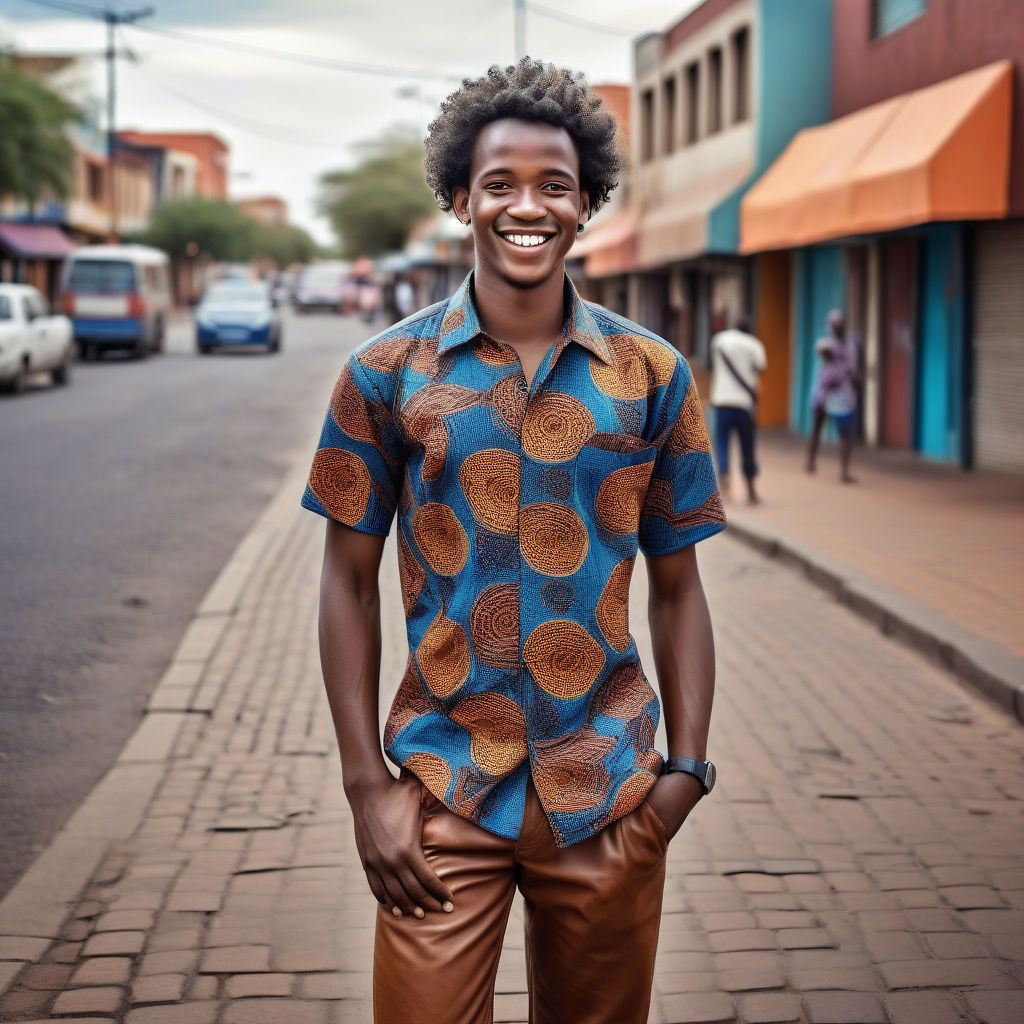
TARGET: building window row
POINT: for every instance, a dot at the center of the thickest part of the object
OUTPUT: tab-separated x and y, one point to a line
716	86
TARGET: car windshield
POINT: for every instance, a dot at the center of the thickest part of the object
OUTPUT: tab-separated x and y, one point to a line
102	276
235	295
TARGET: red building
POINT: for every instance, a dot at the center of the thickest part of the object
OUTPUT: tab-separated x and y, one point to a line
210	151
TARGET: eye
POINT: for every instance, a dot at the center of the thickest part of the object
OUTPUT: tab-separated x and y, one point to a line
496	185
557	186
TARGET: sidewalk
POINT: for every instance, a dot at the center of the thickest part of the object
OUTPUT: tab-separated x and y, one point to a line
925	551
861	861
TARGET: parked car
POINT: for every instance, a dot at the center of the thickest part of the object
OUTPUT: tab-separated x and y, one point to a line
118	296
322	286
234	312
32	339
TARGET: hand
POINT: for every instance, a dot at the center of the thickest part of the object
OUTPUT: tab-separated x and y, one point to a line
387	826
672	797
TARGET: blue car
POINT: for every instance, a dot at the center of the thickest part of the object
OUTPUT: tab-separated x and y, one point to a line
233	313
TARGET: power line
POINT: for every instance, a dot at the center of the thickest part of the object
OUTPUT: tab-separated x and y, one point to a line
260	129
571	19
301	58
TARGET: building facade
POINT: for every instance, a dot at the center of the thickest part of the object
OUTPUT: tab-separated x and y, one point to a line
716	97
907	211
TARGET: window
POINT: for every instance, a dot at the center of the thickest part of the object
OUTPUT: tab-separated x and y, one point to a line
37	306
714	90
741	75
5	308
111	276
647	125
94	183
668	113
889	15
692	78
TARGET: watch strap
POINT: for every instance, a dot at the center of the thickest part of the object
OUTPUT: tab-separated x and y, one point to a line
698	769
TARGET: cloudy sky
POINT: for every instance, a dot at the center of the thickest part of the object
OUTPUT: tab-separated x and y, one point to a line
286	121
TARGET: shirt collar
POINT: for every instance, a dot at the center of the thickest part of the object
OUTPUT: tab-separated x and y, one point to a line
461	322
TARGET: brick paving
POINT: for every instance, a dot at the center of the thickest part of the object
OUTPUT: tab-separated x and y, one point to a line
862	859
948	539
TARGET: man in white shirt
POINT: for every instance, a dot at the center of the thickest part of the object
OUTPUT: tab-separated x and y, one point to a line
737	358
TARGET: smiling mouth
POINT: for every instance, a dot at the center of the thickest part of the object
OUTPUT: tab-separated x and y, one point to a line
525	239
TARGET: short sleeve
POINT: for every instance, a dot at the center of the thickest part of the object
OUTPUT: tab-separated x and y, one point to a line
682	504
360	460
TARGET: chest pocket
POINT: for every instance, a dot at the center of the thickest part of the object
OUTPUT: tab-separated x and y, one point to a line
614	483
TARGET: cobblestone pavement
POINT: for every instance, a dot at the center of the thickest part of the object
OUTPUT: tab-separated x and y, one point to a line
861	861
945	538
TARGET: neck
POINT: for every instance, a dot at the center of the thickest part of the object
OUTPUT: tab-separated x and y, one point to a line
519	315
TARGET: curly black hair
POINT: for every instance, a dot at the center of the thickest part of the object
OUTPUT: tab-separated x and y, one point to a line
531	90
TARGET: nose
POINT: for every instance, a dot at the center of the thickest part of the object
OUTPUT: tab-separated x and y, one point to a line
527	206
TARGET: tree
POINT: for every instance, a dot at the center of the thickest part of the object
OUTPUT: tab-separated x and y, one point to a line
36	155
198	226
374	205
284	244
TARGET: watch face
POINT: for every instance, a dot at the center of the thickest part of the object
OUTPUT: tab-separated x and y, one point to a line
709	781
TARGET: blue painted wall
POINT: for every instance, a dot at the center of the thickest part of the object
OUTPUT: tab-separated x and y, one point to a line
820	287
793	90
939	344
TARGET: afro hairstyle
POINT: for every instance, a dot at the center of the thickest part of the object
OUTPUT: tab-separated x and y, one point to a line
530	90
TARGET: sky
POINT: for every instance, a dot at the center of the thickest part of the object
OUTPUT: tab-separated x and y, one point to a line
287	122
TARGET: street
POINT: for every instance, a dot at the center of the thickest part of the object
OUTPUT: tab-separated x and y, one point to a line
122	496
860	861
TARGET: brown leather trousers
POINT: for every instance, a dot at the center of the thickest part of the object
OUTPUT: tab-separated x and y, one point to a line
592	913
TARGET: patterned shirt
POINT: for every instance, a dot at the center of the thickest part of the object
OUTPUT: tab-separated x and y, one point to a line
520	512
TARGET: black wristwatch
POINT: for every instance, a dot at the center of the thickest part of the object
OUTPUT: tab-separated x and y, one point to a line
703	771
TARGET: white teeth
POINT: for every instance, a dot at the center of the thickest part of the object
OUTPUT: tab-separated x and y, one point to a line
526	240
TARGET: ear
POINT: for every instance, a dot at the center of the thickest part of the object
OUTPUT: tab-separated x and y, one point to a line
584	206
460	203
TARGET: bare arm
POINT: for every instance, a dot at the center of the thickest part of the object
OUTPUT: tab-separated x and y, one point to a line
385	810
684	660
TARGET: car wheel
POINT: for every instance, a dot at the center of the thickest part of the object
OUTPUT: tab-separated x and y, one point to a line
61	375
140	349
160	338
204	350
16	384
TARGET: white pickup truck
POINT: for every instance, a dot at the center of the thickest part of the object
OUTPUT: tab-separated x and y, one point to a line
32	339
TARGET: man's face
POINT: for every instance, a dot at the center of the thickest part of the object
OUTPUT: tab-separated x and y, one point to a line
524	199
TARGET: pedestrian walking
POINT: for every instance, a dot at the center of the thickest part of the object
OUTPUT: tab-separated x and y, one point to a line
737	360
530	443
834	393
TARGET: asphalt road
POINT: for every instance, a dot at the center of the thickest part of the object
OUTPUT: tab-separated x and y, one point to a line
121	497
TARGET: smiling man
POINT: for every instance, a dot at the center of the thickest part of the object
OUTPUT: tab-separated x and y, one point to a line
531	443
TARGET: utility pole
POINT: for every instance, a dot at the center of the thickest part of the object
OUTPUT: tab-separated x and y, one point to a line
520	27
113	19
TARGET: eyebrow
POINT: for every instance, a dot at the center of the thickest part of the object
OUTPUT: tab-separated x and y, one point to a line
559	171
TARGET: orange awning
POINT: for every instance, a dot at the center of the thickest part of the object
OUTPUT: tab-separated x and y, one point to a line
939	153
610	248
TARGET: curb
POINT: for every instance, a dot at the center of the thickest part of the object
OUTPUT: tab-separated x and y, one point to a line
987	667
32	914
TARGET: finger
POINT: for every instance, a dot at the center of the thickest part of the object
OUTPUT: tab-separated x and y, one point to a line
423	899
430	881
380	894
398	895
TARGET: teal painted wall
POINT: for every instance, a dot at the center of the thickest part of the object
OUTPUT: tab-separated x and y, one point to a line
820	287
939	420
793	90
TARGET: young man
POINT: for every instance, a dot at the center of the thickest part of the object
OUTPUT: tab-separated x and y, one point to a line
737	359
531	443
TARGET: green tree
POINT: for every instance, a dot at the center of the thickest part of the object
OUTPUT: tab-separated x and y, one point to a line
198	226
374	205
36	155
284	244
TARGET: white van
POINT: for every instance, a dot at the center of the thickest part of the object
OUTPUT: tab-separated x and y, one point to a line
118	296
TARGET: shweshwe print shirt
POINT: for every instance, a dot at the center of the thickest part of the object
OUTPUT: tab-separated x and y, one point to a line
520	513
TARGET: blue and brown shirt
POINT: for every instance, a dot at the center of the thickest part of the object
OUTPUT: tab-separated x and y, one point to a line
520	512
